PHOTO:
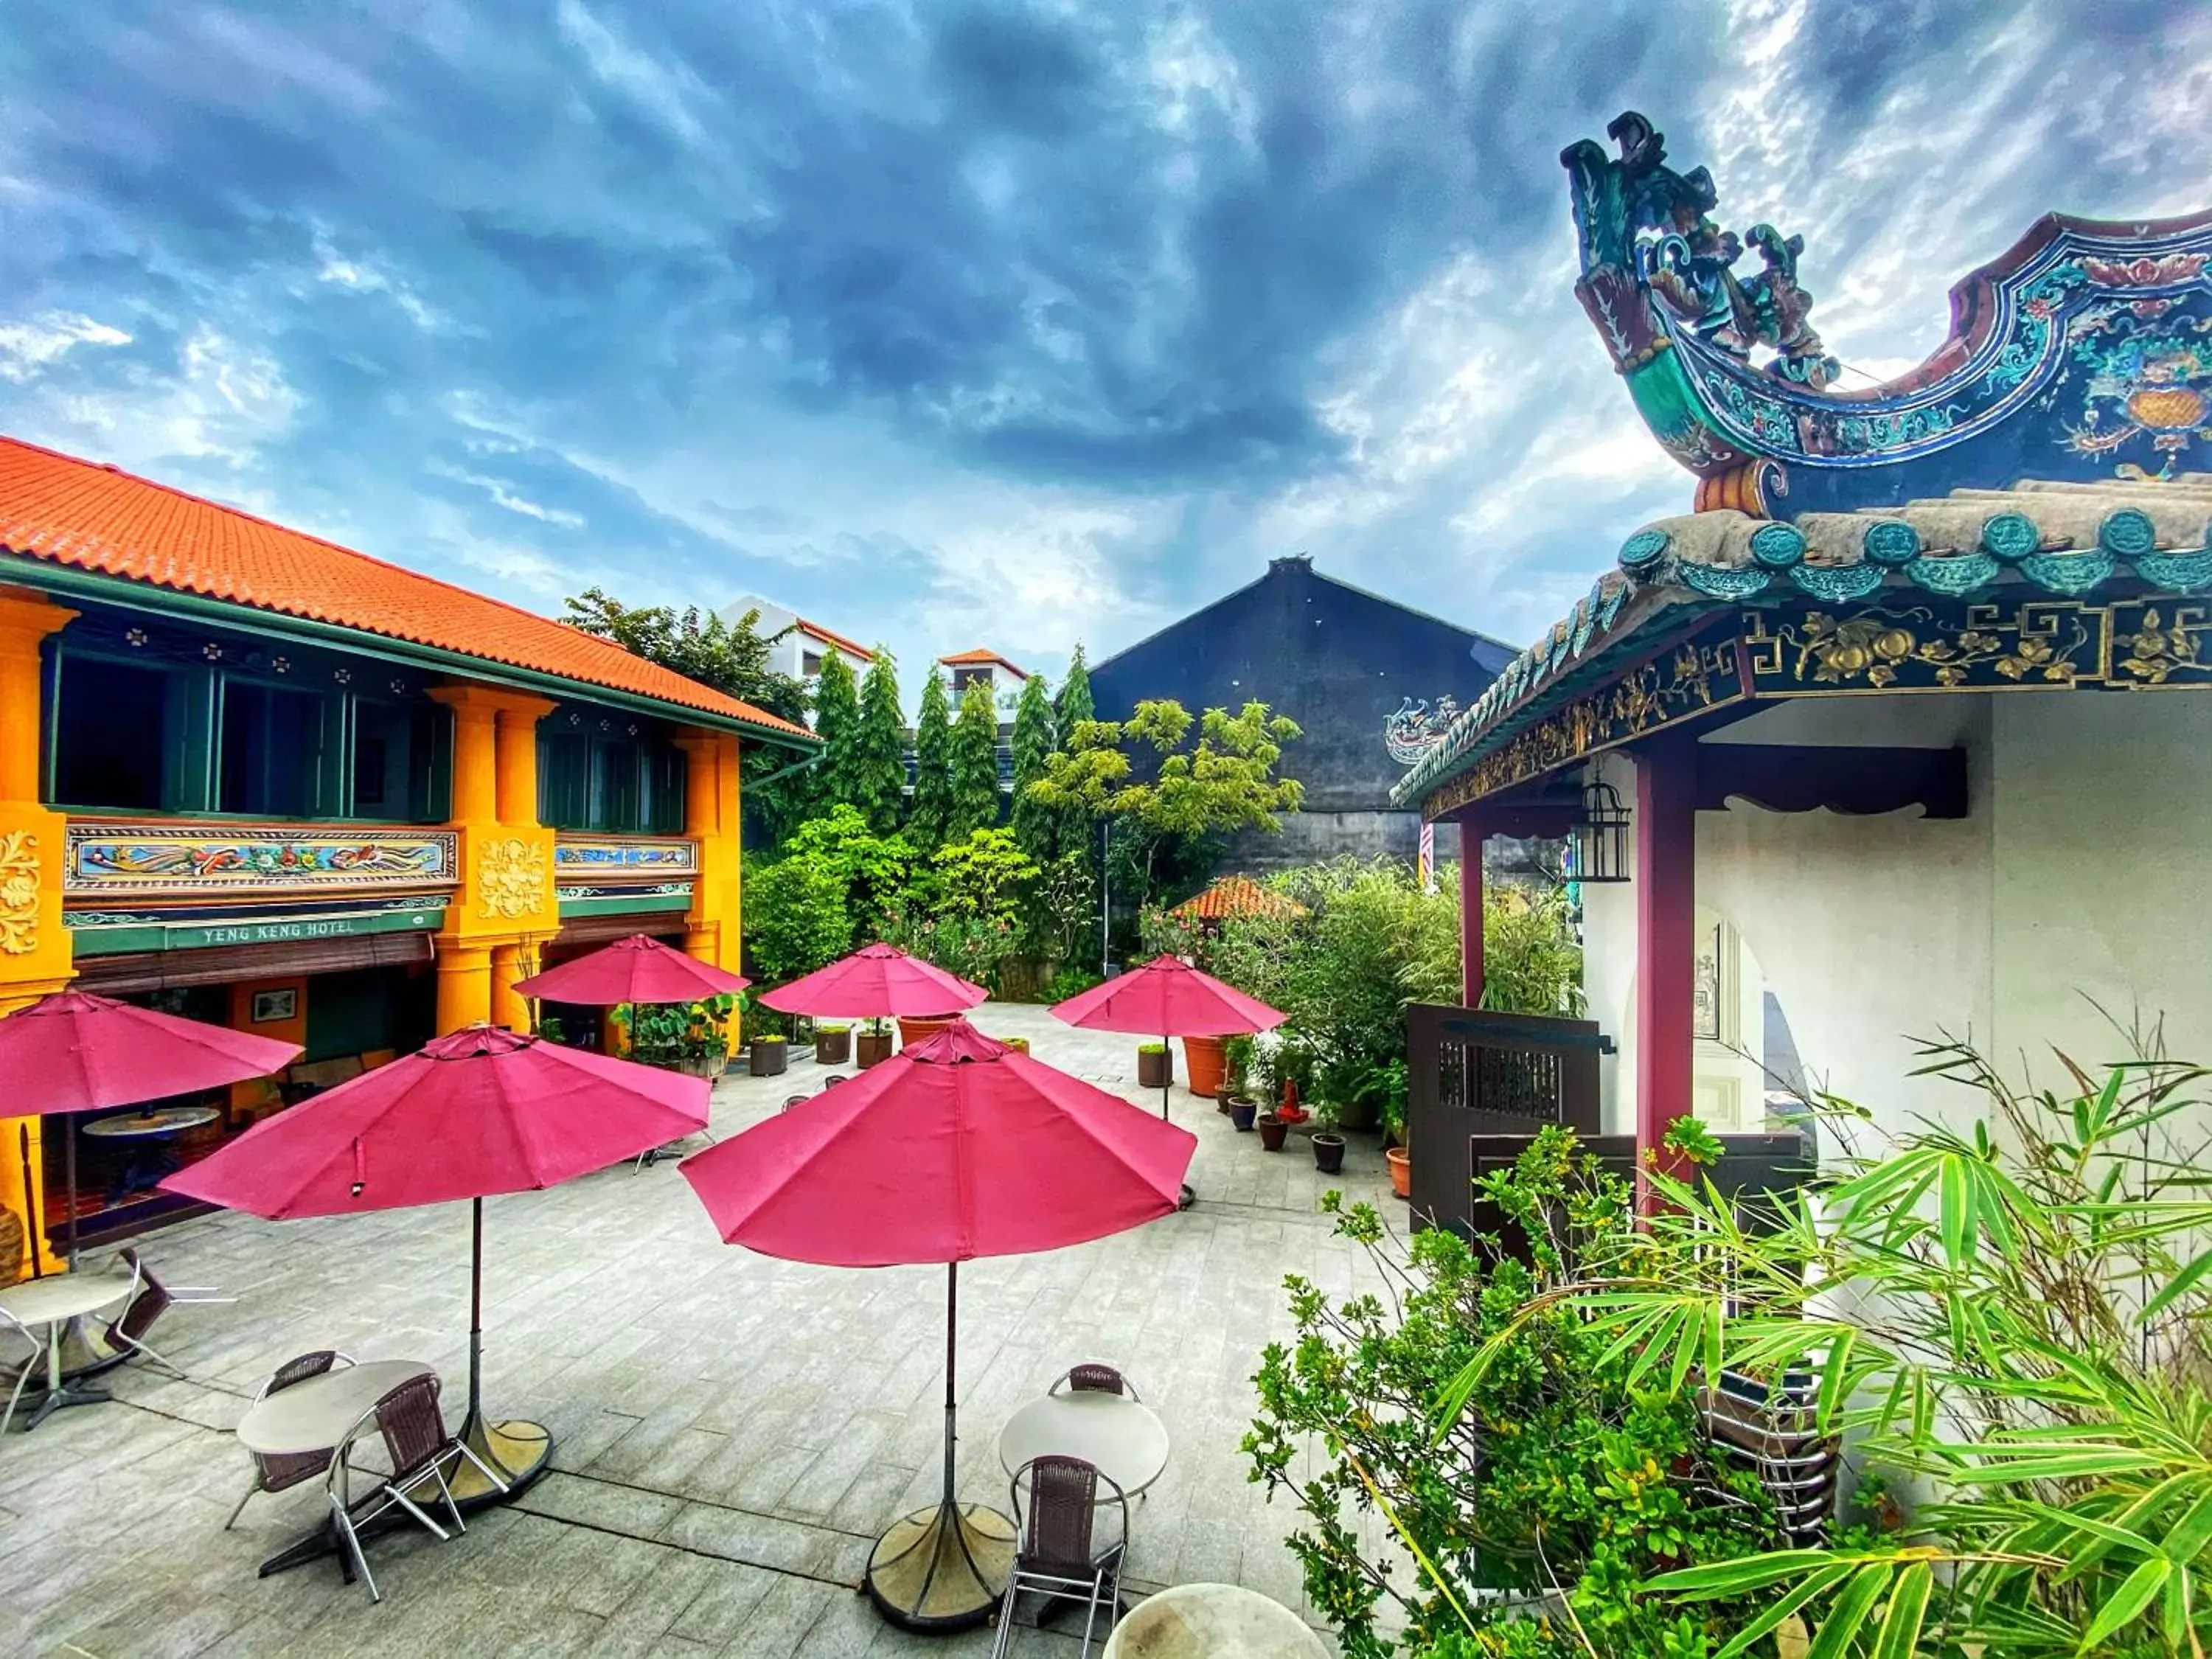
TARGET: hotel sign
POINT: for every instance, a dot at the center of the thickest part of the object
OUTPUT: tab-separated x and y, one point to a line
103	932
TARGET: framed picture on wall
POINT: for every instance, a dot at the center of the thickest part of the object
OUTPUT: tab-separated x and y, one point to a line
269	1005
1710	985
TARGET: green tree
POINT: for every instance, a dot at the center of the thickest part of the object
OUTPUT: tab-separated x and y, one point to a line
733	659
1034	825
795	919
1223	782
875	773
926	824
973	766
837	719
871	870
1072	705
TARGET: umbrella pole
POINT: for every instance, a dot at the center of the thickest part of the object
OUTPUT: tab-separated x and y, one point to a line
31	1199
945	1567
516	1452
69	1166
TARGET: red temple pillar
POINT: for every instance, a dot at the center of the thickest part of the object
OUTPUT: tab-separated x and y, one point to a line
1666	920
1471	836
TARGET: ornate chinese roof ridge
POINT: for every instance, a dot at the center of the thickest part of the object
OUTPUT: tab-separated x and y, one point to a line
59	510
2085	352
2044	535
1238	895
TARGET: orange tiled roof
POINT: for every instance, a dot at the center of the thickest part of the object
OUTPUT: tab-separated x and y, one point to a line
962	659
1238	895
843	643
89	517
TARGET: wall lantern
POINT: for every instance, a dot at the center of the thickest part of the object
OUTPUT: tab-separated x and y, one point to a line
1600	837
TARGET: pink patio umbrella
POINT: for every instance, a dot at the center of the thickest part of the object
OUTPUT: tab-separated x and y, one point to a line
638	968
481	1112
1170	997
75	1052
876	982
960	1146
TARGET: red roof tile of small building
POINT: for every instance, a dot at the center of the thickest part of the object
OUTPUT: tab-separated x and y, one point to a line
965	658
90	516
843	643
1238	895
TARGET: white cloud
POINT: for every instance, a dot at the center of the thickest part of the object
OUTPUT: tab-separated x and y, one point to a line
27	348
663	91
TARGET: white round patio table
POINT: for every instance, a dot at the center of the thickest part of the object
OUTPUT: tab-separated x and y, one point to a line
1213	1621
315	1415
1123	1438
53	1303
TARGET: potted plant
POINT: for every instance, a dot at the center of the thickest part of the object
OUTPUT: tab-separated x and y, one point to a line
768	1055
912	1031
873	1046
1327	1144
1020	1045
1202	1064
1273	1131
833	1044
1396	1152
1155	1065
1241	1113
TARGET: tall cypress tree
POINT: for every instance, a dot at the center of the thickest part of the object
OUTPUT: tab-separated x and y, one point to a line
1033	822
933	777
877	773
1073	830
836	720
974	766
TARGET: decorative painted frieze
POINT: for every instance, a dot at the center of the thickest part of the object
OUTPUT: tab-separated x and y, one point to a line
109	858
623	857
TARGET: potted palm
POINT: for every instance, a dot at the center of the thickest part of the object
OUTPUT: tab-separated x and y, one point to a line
874	1045
1155	1065
833	1044
1327	1144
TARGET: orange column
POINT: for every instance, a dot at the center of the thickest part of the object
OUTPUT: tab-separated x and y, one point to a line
34	946
504	903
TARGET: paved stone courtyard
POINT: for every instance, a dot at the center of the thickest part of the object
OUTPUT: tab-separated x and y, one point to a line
732	1430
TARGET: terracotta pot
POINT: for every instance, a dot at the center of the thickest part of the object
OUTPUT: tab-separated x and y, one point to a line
1401	1171
767	1058
873	1048
1242	1112
1201	1063
1273	1132
833	1048
912	1031
1328	1153
1155	1070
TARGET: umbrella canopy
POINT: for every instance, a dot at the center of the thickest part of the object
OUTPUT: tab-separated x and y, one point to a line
479	1113
633	969
1168	998
955	1148
75	1052
960	1146
475	1114
876	982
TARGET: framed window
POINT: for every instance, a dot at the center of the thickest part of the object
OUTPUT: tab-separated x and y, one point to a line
397	767
114	733
270	748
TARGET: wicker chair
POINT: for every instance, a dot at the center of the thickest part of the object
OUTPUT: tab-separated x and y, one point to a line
278	1471
790	1101
149	1299
1094	1378
419	1449
1058	1556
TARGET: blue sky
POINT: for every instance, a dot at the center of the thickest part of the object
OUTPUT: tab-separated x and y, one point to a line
1004	324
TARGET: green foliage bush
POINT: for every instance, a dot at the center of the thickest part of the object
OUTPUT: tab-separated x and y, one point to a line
1561	1478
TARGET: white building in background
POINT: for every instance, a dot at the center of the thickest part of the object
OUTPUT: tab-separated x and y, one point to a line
800	647
964	668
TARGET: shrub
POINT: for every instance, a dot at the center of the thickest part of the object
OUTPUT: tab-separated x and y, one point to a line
1071	983
1560	1477
2012	1318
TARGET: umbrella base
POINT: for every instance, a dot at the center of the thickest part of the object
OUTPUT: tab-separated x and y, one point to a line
521	1451
942	1568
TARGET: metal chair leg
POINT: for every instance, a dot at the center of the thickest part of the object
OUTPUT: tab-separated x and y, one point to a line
482	1467
1005	1634
350	1545
22	1380
452	1507
139	1349
416	1510
1091	1617
248	1498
